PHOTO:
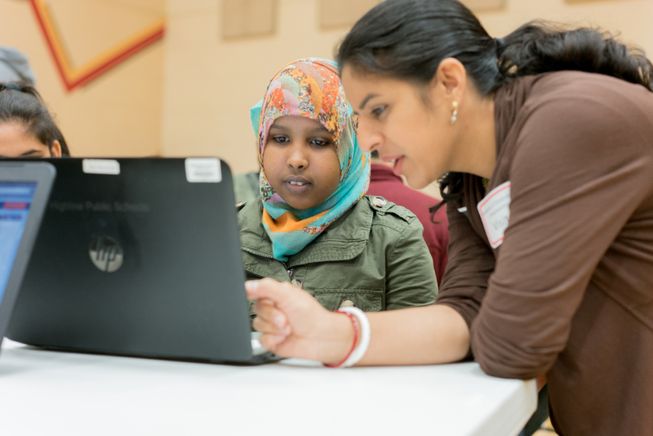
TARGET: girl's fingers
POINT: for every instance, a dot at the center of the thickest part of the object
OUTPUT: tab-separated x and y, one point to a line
265	327
277	292
271	342
270	314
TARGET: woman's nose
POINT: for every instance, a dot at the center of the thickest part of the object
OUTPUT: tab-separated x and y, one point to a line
368	138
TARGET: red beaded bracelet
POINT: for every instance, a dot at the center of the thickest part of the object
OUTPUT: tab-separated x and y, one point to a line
354	323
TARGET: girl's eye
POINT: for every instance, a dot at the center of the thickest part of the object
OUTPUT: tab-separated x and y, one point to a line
280	139
378	111
320	142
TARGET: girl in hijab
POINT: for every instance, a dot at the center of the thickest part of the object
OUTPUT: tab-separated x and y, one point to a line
313	225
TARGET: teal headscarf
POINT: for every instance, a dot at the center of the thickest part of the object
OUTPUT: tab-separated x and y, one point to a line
309	88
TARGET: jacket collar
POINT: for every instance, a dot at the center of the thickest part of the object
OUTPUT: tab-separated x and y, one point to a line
508	103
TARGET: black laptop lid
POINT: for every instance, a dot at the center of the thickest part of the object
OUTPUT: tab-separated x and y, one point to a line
24	190
138	257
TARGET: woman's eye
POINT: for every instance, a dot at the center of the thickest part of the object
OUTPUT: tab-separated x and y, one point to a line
378	111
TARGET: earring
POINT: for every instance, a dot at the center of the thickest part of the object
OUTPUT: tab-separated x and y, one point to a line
454	113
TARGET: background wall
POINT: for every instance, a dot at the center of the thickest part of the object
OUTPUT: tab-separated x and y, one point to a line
210	84
120	112
190	93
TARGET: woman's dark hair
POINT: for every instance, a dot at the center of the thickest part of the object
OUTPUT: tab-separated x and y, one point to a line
23	104
407	40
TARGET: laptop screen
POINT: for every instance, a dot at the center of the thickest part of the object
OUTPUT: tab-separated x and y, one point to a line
15	201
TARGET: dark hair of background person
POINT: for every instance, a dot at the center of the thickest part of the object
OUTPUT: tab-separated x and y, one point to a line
22	103
407	40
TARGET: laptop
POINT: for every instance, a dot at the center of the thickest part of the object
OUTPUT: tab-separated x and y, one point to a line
139	257
24	190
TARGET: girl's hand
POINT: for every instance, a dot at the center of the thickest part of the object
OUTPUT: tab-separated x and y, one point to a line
293	324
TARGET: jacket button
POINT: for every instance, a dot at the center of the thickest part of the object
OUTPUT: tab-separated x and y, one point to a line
379	201
347	303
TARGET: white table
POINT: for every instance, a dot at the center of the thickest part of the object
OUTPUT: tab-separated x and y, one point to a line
53	393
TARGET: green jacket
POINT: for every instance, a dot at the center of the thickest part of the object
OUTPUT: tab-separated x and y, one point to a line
246	186
373	258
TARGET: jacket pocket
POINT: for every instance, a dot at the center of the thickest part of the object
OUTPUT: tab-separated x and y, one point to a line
368	300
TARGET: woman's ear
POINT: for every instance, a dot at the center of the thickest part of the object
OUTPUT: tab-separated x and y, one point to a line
450	79
55	148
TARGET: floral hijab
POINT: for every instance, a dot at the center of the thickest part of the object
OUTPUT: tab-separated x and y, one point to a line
309	88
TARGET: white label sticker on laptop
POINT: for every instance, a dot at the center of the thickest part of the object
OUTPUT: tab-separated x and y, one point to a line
495	213
203	170
101	166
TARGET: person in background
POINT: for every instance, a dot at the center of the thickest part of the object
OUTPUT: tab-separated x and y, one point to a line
27	128
313	225
385	183
14	67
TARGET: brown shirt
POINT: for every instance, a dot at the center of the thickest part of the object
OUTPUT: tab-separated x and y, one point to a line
569	293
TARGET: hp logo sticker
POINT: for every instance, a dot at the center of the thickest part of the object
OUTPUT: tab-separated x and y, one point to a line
106	254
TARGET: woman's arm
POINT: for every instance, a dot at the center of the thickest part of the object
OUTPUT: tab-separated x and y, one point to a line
294	324
422	335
